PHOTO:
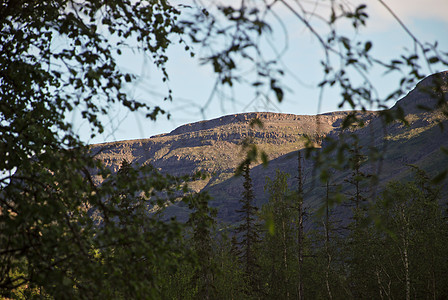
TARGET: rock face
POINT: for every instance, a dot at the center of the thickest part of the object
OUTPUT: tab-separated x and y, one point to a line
214	146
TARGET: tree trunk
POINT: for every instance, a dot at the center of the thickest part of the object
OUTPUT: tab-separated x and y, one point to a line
300	228
327	244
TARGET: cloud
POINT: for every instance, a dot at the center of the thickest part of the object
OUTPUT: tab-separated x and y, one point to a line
434	9
407	11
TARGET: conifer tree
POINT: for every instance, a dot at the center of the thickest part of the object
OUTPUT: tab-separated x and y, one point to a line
358	241
229	278
357	178
328	253
300	232
202	220
248	230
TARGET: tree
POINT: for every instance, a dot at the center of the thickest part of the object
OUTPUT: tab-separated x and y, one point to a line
327	278
300	231
51	238
230	277
57	57
202	221
247	231
359	243
279	241
412	227
357	177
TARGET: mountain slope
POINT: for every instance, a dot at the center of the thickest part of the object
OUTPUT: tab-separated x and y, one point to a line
214	147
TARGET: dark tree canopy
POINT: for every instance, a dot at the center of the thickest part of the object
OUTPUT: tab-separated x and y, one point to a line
61	234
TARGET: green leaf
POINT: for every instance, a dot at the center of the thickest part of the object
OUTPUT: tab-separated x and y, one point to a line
346	42
367	46
433	60
279	93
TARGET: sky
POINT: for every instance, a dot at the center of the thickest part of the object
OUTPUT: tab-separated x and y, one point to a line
192	84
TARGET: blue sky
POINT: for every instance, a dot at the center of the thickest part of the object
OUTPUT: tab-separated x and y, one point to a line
192	83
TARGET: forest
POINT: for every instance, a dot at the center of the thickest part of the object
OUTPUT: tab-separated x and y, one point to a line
63	236
391	247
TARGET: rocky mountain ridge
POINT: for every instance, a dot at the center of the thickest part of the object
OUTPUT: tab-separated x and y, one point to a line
215	146
191	143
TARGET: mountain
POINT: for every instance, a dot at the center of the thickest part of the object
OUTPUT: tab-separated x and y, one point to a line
430	94
215	147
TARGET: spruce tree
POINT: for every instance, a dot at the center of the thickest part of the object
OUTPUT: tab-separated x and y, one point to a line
359	241
248	230
357	178
202	221
300	233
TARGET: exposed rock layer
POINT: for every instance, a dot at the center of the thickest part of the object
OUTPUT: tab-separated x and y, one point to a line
214	146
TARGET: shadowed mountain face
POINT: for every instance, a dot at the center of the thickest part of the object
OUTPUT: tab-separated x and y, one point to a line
215	147
430	94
